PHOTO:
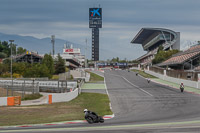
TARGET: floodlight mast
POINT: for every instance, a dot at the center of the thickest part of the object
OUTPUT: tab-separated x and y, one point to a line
11	41
53	43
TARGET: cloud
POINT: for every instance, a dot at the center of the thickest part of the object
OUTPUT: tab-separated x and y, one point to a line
122	20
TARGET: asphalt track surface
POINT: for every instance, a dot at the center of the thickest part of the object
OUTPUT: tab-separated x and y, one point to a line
139	107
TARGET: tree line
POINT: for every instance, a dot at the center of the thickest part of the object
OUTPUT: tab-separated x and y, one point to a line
5	49
47	68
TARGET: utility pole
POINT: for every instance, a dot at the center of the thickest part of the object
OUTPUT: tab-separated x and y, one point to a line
53	43
85	52
11	41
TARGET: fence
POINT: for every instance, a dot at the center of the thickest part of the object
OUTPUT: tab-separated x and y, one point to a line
20	87
187	75
15	88
157	70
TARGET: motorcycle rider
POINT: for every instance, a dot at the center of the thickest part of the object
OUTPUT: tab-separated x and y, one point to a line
181	87
90	113
148	80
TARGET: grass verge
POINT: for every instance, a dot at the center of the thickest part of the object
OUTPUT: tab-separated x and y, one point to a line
55	112
31	96
95	78
56	77
145	75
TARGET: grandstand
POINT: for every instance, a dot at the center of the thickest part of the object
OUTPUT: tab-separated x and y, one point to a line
28	57
152	38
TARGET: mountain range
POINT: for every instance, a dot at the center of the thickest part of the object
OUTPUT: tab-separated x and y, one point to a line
41	46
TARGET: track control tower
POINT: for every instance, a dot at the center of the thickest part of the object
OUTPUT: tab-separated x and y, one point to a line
95	22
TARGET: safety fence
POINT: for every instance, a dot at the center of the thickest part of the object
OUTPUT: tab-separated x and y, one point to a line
181	74
21	87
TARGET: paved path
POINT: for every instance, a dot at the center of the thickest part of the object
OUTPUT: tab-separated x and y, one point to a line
42	100
186	88
94	88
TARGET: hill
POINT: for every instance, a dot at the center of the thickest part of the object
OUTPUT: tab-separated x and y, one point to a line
41	46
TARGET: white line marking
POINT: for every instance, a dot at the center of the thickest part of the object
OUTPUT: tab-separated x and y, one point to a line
137	87
133	84
107	92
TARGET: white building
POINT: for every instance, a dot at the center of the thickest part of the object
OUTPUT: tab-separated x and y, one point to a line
72	56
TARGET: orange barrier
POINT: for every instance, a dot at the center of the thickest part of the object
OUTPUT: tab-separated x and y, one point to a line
12	101
17	100
50	99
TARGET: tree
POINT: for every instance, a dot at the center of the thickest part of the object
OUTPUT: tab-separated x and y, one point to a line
21	50
163	55
37	70
2	55
115	59
20	67
48	61
60	65
5	48
3	68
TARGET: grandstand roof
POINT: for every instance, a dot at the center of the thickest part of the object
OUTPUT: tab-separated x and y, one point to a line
182	57
144	33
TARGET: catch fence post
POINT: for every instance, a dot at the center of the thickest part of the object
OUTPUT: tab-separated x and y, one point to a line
7	90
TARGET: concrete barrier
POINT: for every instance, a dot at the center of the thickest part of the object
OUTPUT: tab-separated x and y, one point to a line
3	101
64	97
51	98
189	83
10	101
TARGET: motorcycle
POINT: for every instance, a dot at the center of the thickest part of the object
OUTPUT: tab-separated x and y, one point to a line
182	89
148	80
93	118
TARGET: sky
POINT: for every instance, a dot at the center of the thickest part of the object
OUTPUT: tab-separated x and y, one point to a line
122	20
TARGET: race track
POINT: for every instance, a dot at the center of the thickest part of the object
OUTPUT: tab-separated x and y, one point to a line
138	107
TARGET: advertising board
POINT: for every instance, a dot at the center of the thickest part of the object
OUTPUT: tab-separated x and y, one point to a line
95	17
72	51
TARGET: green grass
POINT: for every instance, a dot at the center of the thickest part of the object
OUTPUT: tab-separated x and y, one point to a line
55	112
55	77
145	75
95	78
31	96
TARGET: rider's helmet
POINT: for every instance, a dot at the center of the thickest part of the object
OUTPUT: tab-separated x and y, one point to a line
85	110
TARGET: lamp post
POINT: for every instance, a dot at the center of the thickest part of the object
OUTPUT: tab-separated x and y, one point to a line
11	41
16	49
85	53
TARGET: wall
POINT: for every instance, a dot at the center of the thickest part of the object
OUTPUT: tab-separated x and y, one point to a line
64	97
189	83
75	73
3	101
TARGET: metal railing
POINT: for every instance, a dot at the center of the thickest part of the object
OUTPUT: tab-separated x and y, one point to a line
35	86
